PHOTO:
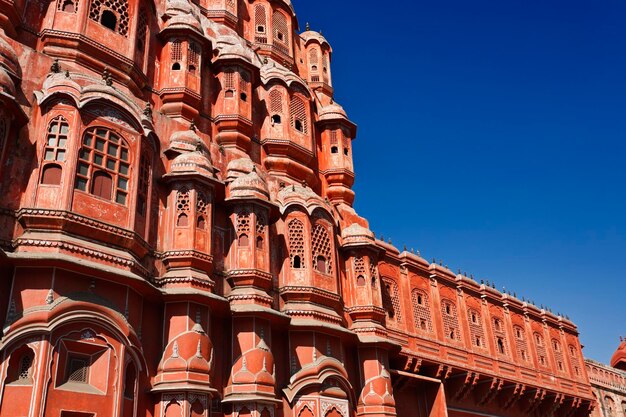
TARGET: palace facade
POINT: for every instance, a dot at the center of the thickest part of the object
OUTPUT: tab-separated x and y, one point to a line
178	237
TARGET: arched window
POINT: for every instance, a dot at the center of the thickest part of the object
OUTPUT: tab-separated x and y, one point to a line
521	344
104	165
276	105
67	6
243	228
541	350
197	409
261	226
51	174
313	59
359	270
183	201
56	141
500	335
20	369
129	381
144	185
299	114
296	243
321	249
421	311
176	54
193	57
260	20
112	14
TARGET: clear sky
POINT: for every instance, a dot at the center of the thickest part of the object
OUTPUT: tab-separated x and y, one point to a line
492	135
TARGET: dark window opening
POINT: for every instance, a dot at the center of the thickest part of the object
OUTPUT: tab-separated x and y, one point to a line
297	263
102	185
51	175
500	345
447	308
259	243
129	381
452	335
345	151
229	94
243	96
473	318
201	223
423	324
108	19
419	300
183	220
276	119
260	29
478	341
68	7
560	366
243	240
334	149
314	68
299	126
176	66
280	36
192	69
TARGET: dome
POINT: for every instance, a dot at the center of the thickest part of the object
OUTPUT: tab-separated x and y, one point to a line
189	352
249	185
192	162
332	111
239	167
311	35
8	57
180	14
255	366
185	140
619	357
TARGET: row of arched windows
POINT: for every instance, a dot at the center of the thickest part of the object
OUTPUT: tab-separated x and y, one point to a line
321	251
298	114
279	34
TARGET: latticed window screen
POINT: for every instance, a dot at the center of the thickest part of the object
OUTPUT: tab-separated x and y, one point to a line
421	311
229	79
176	51
541	350
261	224
333	138
450	320
118	7
521	344
144	184
202	209
260	19
78	370
243	227
500	336
142	29
104	165
391	301
26	362
296	244
325	67
313	59
281	30
183	201
244	81
477	332
276	101
373	272
558	355
359	270
298	114
58	129
193	56
321	249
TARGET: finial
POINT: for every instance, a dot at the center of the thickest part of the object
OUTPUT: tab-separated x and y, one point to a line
413	251
55	67
147	110
106	76
440	262
293	187
405	248
389	241
321	32
67	74
303	183
493	285
418	253
50	297
281	185
254	168
307	27
192	126
482	281
92	286
514	294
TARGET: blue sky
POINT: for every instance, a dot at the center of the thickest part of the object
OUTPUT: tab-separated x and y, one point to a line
492	135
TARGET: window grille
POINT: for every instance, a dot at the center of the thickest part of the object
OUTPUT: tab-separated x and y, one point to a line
144	184
477	332
183	200
391	301
78	370
260	19
56	141
421	311
321	249
281	29
500	336
450	320
521	344
176	52
276	101
119	8
296	244
298	115
104	161
26	362
142	29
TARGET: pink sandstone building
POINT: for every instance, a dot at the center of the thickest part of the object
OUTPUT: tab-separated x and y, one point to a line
178	238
